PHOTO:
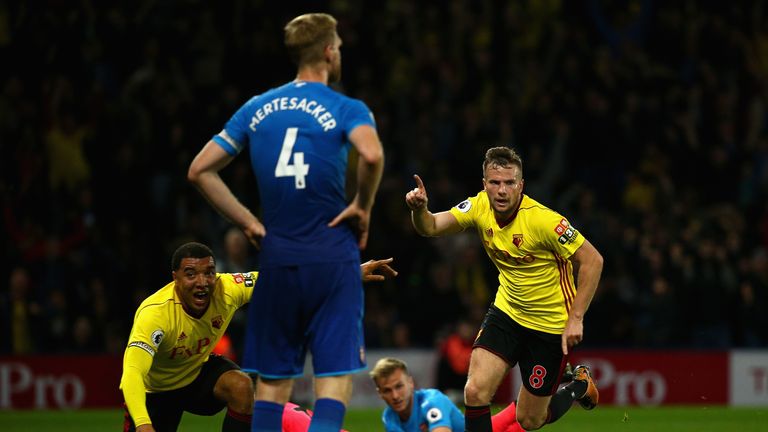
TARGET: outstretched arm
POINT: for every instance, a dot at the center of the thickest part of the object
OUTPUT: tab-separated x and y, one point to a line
426	223
370	267
204	174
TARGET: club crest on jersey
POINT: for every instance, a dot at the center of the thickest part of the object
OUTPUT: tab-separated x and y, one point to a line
217	321
464	206
517	239
489	232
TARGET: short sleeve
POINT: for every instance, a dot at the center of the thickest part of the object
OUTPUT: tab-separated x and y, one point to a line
147	333
559	235
436	411
357	114
234	137
239	286
465	212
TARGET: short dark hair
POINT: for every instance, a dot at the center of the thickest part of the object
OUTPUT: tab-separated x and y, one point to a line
190	250
502	156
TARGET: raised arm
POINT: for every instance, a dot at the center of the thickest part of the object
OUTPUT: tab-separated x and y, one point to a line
370	267
426	223
204	174
590	265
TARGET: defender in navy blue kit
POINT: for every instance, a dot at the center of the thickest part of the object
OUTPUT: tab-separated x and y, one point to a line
309	295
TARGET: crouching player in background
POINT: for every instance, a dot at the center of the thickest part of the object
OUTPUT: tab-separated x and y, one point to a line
411	410
168	367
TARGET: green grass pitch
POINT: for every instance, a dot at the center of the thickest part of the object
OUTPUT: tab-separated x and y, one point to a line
604	418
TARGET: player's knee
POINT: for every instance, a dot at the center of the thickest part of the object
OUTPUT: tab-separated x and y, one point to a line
531	422
476	396
240	392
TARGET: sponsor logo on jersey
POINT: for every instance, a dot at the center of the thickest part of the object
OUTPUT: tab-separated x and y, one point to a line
217	321
182	336
517	239
197	348
561	226
244	278
566	232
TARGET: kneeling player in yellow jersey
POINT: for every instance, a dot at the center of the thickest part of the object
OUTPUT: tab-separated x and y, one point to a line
538	311
168	367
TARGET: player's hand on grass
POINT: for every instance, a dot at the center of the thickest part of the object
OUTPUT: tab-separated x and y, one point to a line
416	198
145	428
370	267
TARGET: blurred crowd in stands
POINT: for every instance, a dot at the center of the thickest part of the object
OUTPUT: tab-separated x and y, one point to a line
645	122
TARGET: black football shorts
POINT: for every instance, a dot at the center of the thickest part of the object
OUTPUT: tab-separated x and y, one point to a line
539	354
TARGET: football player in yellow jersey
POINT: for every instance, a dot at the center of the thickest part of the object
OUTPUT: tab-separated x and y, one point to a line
168	367
538	311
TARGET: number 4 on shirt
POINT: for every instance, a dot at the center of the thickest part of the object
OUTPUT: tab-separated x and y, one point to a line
299	169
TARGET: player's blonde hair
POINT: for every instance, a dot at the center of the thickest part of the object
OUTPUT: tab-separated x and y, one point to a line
503	157
306	37
386	367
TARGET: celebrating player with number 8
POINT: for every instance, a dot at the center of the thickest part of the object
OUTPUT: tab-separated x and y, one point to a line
538	312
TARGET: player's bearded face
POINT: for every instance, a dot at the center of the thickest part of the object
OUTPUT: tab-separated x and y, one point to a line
397	391
195	280
504	186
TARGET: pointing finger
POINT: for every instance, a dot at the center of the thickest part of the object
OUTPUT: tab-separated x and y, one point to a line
419	183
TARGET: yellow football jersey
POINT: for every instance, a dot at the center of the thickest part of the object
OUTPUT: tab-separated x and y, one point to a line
179	343
531	251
